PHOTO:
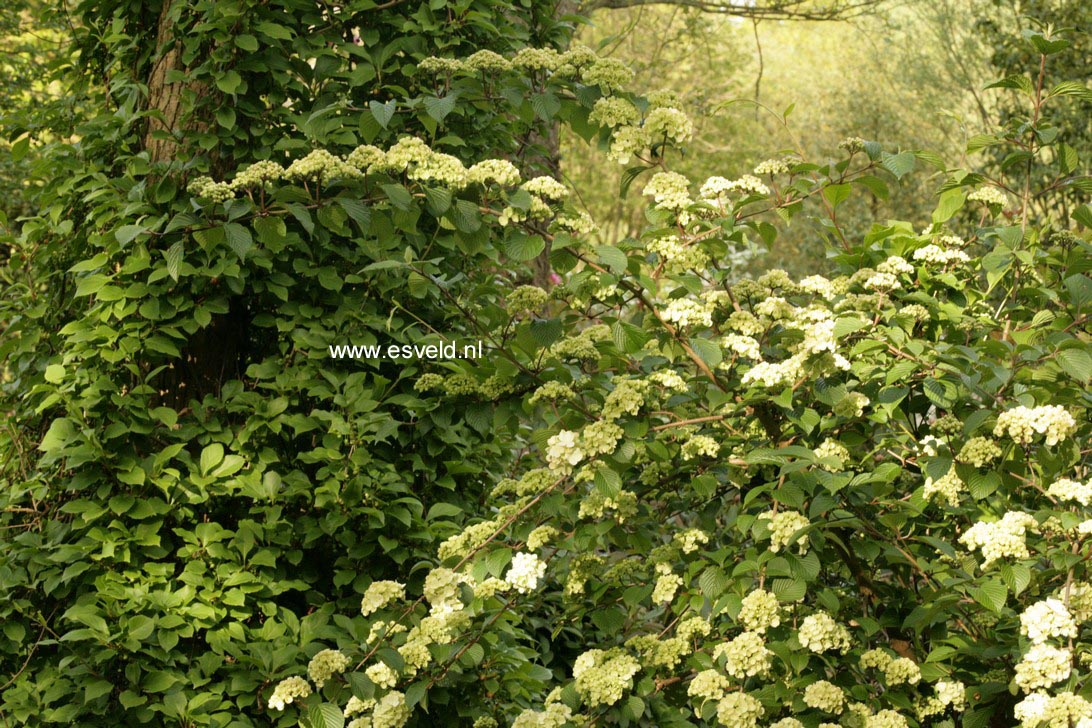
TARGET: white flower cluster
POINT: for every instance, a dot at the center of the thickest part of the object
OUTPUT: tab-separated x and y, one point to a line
715	190
555	715
699	445
382	675
831	449
783	525
745	656
772	166
708	685
602	676
497	171
939	256
677	257
1048	619
988	195
1043	666
686	312
760	611
287	691
825	696
1023	423
1000	538
669	190
669	379
739	710
670	124
902	671
948	487
325	664
1040	710
745	346
691	540
820	633
667	584
896	265
880	281
379	594
563	452
979	451
1070	490
613	111
524	573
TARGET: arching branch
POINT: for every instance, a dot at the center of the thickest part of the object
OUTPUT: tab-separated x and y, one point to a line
772	10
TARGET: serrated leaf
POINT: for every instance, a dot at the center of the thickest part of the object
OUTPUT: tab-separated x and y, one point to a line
399	196
382	112
789	590
546	105
271	229
708	351
991	595
326	715
439	108
174	259
127	233
712	582
238	239
613	258
467	217
521	246
949	204
898	164
546	331
628	176
1077	363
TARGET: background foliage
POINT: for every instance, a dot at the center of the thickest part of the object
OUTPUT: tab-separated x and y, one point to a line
196	496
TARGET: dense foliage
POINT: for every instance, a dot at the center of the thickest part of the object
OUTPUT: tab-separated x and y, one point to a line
664	495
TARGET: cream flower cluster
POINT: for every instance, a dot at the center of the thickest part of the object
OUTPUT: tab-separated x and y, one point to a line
831	449
525	572
1040	710
382	675
901	671
948	487
772	166
708	685
669	190
554	715
760	611
667	584
1000	538
1070	490
287	691
825	696
988	195
739	710
715	190
563	452
1023	423
745	346
601	677
1043	666
1048	619
379	594
979	452
939	256
691	540
677	257
686	313
325	664
745	656
699	445
820	633
783	525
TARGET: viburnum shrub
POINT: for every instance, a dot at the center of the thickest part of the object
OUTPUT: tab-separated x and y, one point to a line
857	499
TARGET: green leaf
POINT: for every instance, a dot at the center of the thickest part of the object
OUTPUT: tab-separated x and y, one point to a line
1077	363
54	373
274	31
271	229
546	105
229	82
238	239
628	176
127	233
708	351
898	164
60	433
437	108
211	456
521	246
174	259
991	595
326	715
949	204
382	112
613	258
399	196
836	194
